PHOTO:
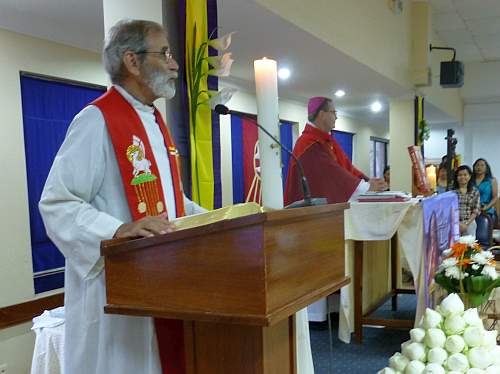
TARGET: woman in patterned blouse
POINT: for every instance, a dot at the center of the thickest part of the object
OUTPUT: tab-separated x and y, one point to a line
468	200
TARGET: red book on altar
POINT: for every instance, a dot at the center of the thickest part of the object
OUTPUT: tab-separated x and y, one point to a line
419	175
384	197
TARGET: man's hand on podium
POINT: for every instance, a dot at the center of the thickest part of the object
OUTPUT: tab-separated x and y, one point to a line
377	185
146	227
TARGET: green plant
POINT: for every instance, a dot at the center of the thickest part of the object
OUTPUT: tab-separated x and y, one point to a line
424	131
469	271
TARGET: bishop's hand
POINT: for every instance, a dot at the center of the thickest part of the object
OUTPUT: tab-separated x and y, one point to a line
377	185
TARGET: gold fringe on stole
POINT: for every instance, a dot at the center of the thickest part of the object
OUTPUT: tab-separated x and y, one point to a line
156	194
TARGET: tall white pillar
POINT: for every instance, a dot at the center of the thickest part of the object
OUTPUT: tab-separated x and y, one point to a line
401	130
266	87
115	10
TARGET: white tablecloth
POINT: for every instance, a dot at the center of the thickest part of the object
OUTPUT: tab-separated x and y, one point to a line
380	221
48	355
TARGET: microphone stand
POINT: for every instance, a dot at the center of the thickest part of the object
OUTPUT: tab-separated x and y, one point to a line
308	200
451	143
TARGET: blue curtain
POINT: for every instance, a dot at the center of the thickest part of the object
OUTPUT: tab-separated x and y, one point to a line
286	138
48	108
237	157
345	141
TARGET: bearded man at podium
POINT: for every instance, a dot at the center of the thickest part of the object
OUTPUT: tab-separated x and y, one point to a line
116	176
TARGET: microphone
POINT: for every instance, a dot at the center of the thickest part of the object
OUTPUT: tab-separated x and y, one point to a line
308	200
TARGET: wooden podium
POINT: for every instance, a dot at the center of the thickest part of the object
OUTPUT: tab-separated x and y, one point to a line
235	283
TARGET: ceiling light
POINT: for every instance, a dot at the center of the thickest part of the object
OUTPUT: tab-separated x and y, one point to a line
339	93
376	106
284	73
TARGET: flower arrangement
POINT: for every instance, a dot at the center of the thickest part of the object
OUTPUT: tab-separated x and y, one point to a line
468	270
202	66
448	340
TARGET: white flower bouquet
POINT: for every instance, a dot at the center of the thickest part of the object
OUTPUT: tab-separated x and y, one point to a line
468	270
448	340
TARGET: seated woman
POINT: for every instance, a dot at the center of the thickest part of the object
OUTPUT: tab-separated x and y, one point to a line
442	179
487	186
387	176
468	200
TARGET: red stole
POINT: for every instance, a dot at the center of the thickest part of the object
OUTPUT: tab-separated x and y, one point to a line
144	192
326	177
135	157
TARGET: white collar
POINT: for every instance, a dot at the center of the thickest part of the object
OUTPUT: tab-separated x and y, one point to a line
133	101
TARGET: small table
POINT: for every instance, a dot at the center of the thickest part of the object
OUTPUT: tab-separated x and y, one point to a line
361	318
365	224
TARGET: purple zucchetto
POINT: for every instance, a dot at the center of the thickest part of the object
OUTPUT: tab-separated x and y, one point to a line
314	103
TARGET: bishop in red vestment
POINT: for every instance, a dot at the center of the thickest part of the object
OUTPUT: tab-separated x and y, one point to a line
328	170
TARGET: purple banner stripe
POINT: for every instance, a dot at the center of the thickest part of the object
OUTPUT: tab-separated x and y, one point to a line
183	92
213	84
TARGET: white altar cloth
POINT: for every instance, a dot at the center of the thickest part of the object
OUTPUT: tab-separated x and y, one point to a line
380	221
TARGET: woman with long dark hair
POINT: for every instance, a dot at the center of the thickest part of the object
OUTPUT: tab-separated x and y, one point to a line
487	186
468	200
442	179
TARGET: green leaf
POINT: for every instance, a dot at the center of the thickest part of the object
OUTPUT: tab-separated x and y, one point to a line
478	284
476	299
447	283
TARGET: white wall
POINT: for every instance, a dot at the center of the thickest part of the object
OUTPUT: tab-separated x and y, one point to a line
22	53
361	140
401	118
481	81
482	134
435	147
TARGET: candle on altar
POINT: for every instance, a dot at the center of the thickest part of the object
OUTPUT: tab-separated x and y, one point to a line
266	89
431	176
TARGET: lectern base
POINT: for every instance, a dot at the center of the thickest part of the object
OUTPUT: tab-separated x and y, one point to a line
217	348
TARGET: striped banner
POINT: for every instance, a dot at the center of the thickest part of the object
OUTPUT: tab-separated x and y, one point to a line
419	116
246	180
200	16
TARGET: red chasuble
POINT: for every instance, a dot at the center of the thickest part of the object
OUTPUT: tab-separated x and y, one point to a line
343	160
326	176
144	192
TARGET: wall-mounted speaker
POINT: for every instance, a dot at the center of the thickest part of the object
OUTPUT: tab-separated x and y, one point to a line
452	74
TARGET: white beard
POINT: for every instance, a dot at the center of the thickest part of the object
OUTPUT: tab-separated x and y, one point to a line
162	84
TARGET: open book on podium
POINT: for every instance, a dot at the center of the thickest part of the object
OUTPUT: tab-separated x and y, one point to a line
236	276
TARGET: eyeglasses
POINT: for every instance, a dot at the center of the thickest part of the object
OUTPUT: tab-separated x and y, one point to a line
167	53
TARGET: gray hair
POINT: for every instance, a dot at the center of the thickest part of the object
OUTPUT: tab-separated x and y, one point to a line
126	35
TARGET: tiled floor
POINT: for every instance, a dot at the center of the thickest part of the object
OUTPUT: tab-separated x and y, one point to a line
378	345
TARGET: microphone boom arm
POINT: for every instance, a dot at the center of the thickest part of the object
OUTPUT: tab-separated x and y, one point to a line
303	180
308	200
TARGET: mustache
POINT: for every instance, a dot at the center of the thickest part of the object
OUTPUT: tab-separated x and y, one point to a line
171	75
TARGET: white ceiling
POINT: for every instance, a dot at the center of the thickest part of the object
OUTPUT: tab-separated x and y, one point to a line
470	26
74	22
317	68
